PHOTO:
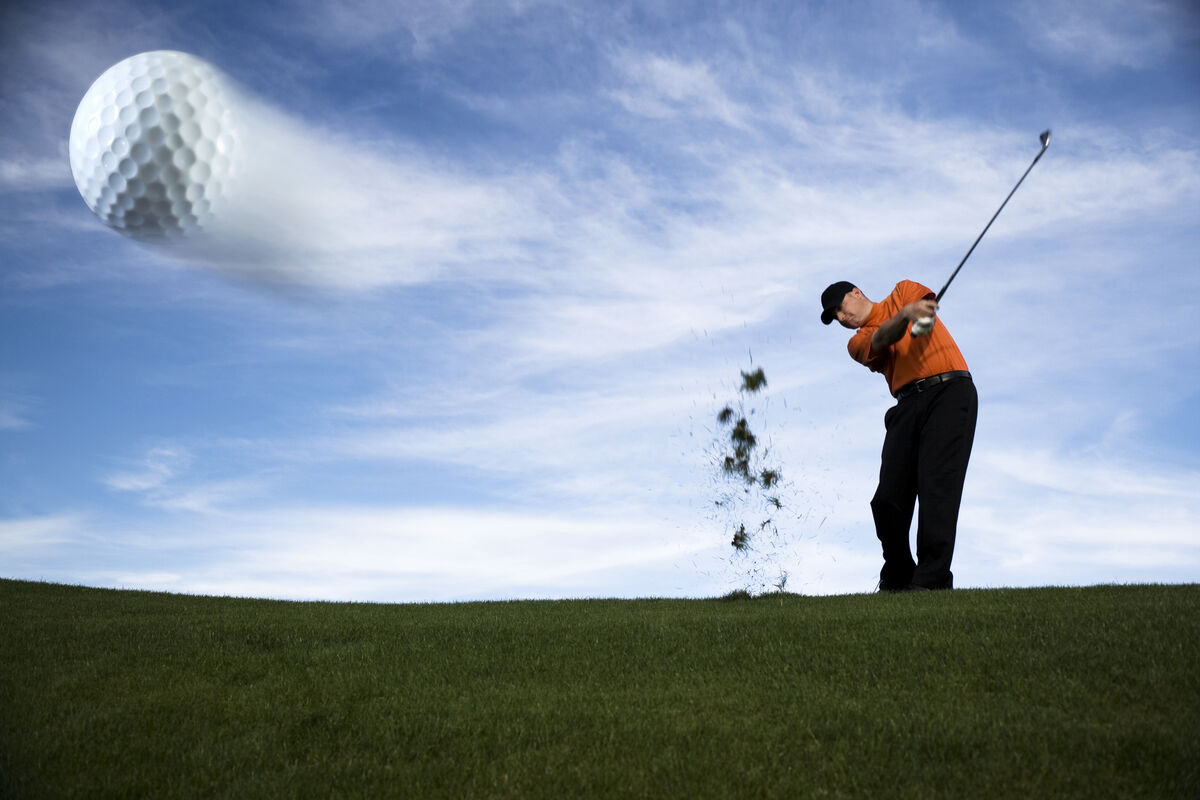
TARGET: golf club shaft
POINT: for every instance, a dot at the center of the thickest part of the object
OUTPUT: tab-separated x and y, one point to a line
1045	143
1045	140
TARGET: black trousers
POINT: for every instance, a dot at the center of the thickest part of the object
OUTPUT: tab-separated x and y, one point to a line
925	455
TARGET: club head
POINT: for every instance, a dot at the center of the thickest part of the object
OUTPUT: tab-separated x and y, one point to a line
1045	137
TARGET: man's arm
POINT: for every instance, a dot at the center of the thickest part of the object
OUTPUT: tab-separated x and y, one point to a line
893	330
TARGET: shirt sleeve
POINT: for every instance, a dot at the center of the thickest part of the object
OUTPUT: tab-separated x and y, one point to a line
860	350
911	291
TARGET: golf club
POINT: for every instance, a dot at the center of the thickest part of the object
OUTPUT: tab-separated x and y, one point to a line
925	324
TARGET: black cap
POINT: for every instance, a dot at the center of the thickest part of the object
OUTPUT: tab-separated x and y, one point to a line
832	297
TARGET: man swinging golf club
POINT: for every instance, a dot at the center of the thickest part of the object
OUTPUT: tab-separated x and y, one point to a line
931	428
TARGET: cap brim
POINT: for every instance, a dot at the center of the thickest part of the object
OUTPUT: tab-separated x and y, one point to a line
827	316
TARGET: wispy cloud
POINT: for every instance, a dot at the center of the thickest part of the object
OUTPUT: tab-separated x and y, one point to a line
664	87
19	538
425	23
1104	35
385	554
164	478
33	174
16	409
158	466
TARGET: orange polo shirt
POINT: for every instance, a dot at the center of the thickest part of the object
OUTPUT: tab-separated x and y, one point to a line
909	359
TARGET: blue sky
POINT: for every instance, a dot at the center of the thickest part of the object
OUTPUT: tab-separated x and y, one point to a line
519	255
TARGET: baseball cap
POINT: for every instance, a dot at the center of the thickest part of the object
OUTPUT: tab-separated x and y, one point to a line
832	297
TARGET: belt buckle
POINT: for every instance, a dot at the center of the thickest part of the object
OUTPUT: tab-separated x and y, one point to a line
931	381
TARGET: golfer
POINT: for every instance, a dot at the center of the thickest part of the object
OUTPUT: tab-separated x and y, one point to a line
929	431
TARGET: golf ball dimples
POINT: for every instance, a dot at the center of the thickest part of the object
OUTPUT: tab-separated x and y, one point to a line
154	145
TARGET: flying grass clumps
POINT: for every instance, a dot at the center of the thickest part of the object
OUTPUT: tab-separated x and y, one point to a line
741	462
744	442
750	488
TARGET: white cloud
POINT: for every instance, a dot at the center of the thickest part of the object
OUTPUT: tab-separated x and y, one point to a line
158	466
1092	476
416	27
1106	34
147	581
370	20
16	410
208	497
663	87
168	477
21	537
1037	515
406	555
33	174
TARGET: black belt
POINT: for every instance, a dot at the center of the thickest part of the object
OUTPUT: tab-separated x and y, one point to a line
933	380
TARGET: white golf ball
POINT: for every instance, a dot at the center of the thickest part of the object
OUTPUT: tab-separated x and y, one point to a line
154	144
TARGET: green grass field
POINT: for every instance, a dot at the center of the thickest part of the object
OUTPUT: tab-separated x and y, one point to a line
1034	693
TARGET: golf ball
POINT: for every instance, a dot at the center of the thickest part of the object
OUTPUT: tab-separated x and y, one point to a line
154	144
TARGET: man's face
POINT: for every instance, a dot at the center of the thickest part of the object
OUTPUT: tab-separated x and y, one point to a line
853	311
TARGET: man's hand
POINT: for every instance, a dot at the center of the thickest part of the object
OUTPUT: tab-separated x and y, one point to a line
919	309
923	323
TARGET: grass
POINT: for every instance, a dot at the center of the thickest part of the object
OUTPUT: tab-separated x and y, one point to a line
1088	692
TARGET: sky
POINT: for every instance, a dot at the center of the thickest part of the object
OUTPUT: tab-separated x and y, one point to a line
518	255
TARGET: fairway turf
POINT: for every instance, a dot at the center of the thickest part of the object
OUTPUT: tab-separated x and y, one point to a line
1089	692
